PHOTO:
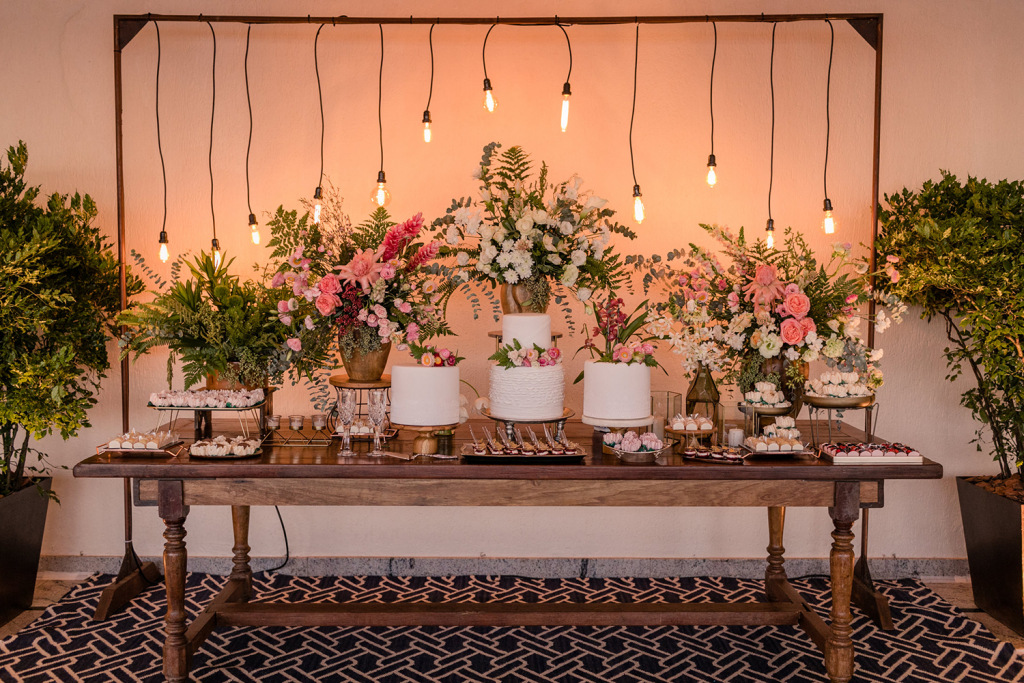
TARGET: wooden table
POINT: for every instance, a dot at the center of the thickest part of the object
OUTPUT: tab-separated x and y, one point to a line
318	476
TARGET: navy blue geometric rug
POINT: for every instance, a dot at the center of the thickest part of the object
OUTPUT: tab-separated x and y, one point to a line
933	640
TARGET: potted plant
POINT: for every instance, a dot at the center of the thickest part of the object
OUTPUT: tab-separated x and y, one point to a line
954	249
221	328
764	317
59	293
356	289
527	236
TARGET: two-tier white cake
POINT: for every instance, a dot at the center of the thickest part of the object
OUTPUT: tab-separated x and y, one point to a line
424	396
527	393
616	391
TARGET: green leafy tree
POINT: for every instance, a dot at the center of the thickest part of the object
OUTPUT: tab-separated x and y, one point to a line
955	249
59	294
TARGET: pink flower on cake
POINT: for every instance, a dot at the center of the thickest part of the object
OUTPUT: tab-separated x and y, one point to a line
326	303
427	359
445	354
798	304
329	283
622	354
554	353
451	361
765	287
647	348
295	344
791	331
363	269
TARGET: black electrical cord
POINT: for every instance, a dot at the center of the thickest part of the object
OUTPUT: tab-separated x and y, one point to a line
430	93
632	114
486	36
714	55
828	92
320	94
159	146
569	45
287	551
771	162
213	111
380	95
248	100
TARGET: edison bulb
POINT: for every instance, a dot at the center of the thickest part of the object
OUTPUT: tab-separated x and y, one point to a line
770	240
712	176
255	228
163	252
638	205
255	236
216	257
381	196
316	214
426	132
828	224
490	101
565	112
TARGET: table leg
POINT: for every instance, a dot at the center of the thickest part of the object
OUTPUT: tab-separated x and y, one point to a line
241	571
839	646
775	571
173	511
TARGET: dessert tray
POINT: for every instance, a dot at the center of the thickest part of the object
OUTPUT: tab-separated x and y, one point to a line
499	448
222	448
642	457
870	454
764	409
716	456
774	447
149	443
839	402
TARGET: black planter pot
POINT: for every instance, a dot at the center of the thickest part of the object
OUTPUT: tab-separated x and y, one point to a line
992	529
22	519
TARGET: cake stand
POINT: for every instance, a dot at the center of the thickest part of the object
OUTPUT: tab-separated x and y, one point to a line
754	412
510	424
817	404
618	424
425	442
496	336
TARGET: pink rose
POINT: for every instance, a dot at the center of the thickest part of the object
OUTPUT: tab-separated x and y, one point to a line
445	354
792	331
387	272
781	310
451	361
792	288
295	344
734	300
278	279
326	303
371	320
329	283
412	332
554	354
405	307
647	348
798	304
282	306
544	362
808	326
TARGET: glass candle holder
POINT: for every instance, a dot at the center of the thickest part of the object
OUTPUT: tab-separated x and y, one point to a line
273	421
319	421
296	422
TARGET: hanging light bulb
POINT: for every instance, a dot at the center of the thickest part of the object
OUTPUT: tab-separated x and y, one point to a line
163	246
380	195
426	126
712	175
317	195
255	228
769	239
828	222
215	244
565	105
638	205
490	102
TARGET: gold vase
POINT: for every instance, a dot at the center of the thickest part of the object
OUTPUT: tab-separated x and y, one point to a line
367	367
516	299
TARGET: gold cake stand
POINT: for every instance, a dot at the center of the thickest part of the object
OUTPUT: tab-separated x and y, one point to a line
425	442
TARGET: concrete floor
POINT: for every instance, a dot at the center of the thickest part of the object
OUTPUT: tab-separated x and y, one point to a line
49	592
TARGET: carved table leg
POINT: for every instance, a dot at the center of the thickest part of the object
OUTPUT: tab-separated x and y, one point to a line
775	572
174	511
839	646
241	570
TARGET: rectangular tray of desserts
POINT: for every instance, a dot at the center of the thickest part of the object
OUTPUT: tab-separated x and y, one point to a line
134	443
476	454
775	447
870	454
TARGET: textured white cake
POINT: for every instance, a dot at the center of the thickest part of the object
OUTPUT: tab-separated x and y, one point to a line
616	391
528	328
534	393
424	396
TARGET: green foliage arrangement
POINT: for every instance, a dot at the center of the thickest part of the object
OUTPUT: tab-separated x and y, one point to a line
212	321
958	248
59	293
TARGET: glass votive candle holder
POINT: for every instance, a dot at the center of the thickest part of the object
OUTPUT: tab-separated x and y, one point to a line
319	421
296	421
273	421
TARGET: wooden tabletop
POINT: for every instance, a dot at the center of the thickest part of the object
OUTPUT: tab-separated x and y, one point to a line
324	463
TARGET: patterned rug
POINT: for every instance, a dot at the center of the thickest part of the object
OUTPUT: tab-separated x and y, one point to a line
933	641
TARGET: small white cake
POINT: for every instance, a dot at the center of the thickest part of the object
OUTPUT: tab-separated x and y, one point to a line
616	391
424	396
528	328
534	393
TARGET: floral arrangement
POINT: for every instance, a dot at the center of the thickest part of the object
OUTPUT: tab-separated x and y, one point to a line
359	287
627	338
771	304
515	356
432	356
531	232
631	442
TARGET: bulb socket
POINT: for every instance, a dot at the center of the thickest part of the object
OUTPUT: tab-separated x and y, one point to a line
380	177
163	237
636	191
711	161
252	221
215	244
487	84
770	227
565	89
828	204
319	193
426	116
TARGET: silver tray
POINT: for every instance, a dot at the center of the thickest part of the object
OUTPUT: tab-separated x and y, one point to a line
643	457
837	402
255	406
768	411
503	458
258	452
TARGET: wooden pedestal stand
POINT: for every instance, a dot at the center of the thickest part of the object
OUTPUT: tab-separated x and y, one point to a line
425	442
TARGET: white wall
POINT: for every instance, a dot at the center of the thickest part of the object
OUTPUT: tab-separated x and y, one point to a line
950	100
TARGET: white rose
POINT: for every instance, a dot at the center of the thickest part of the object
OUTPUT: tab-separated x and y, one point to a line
569	275
579	257
566	227
499	235
524	225
584	293
462	259
771	344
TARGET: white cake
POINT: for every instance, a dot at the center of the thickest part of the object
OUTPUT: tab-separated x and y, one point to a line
616	391
534	393
424	396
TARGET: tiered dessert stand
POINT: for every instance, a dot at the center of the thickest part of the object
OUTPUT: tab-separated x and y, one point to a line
752	413
204	417
819	404
509	424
